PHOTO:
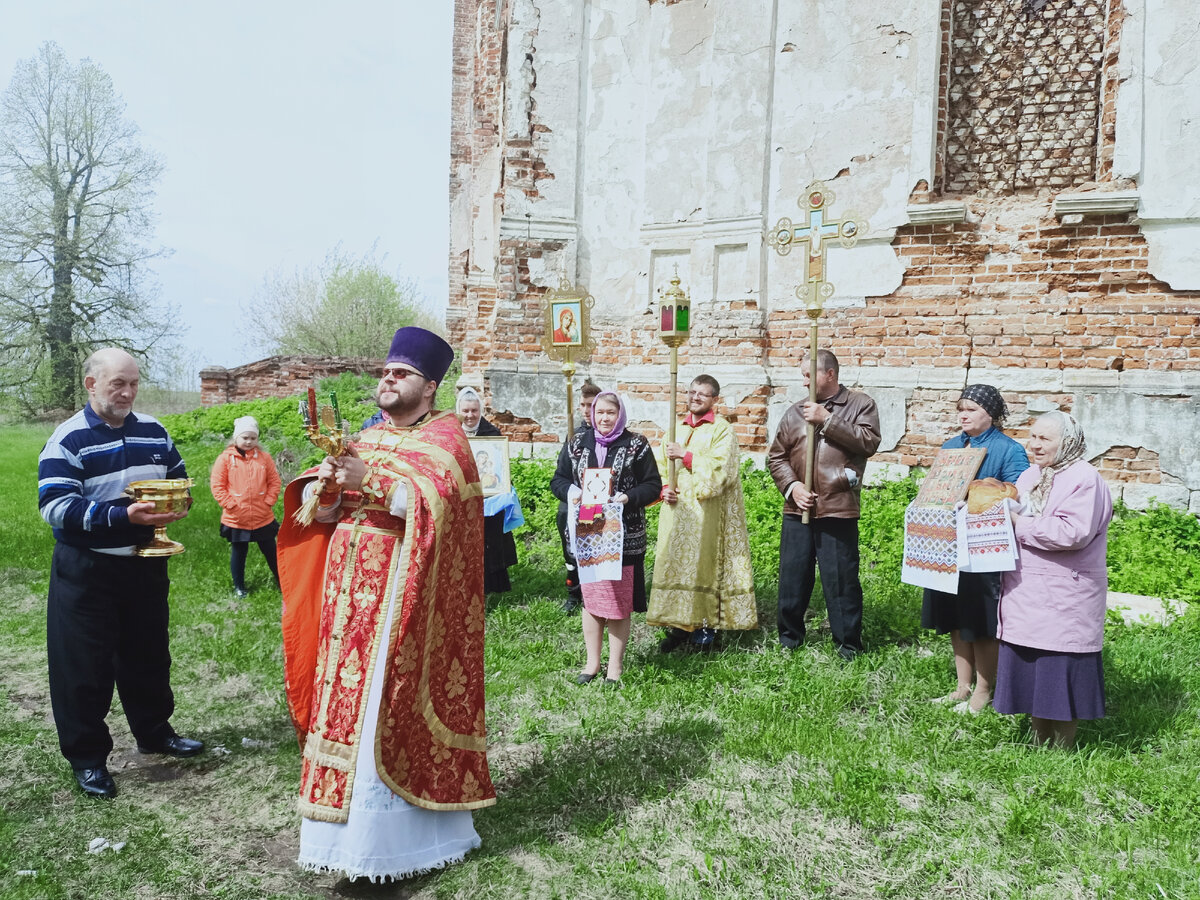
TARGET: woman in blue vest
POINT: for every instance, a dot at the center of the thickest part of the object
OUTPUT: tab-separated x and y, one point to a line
970	615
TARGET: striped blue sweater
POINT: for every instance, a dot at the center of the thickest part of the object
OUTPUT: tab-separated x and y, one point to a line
83	471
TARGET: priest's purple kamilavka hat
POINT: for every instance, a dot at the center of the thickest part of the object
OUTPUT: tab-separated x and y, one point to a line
423	350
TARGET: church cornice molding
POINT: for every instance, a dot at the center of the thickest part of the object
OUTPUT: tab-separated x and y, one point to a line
548	228
948	213
674	232
1096	203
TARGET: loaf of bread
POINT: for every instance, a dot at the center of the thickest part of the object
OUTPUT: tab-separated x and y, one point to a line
984	493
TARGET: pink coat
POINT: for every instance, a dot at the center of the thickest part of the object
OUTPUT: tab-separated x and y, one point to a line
1054	600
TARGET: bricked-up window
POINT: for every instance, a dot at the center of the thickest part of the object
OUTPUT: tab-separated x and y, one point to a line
1023	94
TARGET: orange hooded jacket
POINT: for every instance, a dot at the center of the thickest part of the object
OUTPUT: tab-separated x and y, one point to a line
245	487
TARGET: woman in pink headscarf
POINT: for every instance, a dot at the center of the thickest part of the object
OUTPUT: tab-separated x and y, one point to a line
612	596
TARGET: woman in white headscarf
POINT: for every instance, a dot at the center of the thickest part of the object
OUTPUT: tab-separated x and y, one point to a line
469	409
499	548
1052	609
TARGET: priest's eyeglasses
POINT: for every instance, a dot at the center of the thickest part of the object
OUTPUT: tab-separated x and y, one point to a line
398	374
704	395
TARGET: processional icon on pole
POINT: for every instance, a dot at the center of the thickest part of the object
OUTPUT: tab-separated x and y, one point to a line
566	334
814	290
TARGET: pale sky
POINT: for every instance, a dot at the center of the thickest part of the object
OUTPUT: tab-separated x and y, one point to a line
285	128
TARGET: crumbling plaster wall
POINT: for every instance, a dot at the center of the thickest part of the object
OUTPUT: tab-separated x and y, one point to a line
1158	131
1164	415
704	122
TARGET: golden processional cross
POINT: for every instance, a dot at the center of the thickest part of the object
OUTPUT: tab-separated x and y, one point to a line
814	290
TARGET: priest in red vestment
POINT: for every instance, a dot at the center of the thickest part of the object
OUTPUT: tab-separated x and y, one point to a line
383	635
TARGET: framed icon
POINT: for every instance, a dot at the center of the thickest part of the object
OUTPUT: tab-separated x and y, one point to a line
567	317
597	487
566	311
491	459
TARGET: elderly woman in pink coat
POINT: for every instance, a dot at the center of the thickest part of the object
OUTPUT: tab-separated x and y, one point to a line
1051	618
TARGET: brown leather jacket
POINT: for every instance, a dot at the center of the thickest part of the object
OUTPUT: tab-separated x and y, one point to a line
844	441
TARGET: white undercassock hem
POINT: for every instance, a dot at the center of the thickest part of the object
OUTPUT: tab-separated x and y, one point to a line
384	837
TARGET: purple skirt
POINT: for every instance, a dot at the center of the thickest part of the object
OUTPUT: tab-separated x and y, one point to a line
1049	684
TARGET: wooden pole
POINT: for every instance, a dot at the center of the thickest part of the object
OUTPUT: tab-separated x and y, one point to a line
568	370
810	448
671	420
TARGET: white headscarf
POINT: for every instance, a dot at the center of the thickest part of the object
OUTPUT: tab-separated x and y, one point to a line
1070	448
469	393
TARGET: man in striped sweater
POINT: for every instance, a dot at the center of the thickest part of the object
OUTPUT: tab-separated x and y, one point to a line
106	620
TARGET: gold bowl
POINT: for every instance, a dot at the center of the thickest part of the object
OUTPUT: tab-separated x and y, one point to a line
167	495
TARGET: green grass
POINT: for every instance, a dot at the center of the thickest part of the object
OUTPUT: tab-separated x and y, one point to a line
750	773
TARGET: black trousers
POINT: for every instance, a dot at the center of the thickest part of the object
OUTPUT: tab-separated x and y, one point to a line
239	550
573	589
106	624
831	544
499	552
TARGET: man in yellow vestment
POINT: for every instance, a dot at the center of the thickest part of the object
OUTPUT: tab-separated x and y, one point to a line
702	579
383	635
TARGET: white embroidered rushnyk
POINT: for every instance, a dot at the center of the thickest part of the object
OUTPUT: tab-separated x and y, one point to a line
384	837
600	557
930	548
986	541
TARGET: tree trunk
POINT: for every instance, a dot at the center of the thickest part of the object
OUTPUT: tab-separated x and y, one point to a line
63	388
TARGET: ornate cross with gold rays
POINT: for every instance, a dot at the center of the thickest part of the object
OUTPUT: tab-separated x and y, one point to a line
814	290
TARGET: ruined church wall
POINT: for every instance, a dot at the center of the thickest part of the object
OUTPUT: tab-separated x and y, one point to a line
618	144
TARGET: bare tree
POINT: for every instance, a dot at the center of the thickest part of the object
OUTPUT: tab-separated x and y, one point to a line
75	220
345	306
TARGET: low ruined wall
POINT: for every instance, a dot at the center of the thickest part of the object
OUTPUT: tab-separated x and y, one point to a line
276	376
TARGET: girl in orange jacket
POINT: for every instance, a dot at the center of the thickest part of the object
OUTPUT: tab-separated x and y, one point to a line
246	484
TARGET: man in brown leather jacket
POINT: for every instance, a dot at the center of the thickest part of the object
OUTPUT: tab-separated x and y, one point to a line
847	432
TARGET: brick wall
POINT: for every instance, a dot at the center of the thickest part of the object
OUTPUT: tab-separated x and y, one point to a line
1110	81
1135	465
276	376
482	300
1017	288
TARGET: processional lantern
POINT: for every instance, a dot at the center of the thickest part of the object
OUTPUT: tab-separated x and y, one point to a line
566	333
674	314
674	324
814	290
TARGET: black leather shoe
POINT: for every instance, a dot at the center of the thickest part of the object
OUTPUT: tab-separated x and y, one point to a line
96	782
674	639
174	746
